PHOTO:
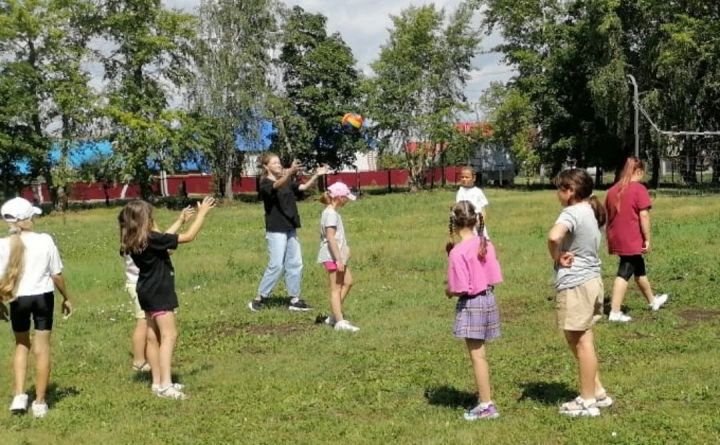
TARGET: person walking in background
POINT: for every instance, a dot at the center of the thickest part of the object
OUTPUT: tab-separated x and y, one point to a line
574	246
628	232
279	192
473	271
334	253
31	270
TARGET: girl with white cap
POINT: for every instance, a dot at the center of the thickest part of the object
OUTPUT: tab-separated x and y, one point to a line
30	271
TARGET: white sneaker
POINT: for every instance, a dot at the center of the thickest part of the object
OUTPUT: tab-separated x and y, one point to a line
39	410
619	317
580	408
171	393
658	301
329	320
344	325
156	388
19	403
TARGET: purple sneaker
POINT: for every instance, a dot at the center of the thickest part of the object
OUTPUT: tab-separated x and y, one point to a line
482	413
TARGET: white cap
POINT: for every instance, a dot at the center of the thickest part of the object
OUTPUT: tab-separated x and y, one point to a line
18	209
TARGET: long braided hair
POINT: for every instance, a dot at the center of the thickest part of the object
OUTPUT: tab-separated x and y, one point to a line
463	215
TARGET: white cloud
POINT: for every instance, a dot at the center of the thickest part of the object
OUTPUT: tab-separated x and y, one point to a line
364	24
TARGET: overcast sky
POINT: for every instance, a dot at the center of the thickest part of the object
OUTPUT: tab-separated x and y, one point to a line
363	25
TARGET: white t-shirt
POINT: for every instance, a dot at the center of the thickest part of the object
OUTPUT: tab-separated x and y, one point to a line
132	272
477	199
41	261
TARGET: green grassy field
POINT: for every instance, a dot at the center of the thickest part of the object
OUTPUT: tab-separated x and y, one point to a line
276	377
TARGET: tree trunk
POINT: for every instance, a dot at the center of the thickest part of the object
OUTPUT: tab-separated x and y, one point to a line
655	174
688	173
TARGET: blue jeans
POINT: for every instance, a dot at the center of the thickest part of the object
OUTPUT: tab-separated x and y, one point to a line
284	252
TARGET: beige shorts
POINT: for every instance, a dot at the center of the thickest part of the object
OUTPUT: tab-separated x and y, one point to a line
579	307
131	290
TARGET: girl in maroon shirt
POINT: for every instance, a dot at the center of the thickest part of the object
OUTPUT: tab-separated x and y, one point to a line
628	233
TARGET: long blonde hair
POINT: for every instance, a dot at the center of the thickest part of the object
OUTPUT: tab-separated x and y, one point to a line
264	161
136	223
11	278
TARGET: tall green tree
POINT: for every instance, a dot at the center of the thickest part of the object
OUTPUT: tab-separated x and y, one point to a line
233	63
417	91
148	68
46	100
319	83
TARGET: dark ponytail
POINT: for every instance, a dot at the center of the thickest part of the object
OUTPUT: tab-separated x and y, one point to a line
581	184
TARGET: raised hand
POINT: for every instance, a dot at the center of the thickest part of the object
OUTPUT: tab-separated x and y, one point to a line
207	203
187	213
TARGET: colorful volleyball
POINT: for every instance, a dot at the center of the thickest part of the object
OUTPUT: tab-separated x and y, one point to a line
352	121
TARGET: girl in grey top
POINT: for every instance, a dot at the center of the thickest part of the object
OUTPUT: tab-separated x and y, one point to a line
574	245
334	253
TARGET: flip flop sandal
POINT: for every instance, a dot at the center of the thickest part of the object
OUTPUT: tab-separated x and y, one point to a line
144	367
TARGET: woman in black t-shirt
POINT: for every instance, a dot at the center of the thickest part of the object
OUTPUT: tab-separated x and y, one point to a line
279	193
150	250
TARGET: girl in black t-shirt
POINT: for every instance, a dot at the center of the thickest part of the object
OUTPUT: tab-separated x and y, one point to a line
279	192
150	250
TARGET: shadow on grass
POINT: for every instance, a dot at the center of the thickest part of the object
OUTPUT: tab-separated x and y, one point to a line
55	393
547	393
450	397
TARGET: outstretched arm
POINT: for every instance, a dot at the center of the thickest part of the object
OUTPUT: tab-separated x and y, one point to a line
320	171
185	216
202	210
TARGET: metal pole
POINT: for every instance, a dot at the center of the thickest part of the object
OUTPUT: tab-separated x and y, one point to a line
636	103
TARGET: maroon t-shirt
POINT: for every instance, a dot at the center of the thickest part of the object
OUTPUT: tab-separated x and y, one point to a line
624	233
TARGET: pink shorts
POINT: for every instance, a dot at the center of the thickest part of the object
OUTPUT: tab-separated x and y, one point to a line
330	266
155	314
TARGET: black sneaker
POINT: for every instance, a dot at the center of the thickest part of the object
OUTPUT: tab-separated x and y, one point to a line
299	305
256	305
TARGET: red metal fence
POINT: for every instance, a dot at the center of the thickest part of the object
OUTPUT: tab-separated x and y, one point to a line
200	184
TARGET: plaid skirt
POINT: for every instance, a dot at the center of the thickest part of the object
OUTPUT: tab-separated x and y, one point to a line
477	317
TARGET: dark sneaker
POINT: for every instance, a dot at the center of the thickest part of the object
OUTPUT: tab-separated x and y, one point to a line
299	305
256	305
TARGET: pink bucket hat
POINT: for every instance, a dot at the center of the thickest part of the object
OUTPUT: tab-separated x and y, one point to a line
339	189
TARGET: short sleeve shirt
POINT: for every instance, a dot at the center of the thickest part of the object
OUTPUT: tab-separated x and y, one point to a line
477	199
41	261
623	230
281	212
583	241
156	281
467	273
331	218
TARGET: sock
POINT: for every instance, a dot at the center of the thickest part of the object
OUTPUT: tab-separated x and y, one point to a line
294	300
484	405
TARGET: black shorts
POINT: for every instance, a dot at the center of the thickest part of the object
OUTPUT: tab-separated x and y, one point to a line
631	265
39	306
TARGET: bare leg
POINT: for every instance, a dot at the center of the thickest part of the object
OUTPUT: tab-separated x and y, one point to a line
476	348
22	346
336	283
41	349
582	344
618	294
346	285
139	342
152	351
599	389
644	285
168	337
